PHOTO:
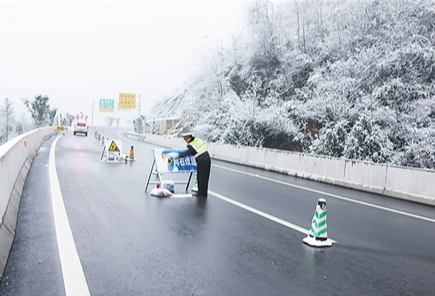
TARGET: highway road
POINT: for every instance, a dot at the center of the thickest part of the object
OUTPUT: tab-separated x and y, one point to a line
87	227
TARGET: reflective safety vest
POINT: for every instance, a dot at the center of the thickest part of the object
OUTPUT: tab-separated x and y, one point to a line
199	146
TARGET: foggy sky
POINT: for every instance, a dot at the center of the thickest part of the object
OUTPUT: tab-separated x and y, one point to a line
77	52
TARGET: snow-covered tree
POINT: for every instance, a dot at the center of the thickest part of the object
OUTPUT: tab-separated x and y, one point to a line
351	79
7	120
366	142
40	110
332	140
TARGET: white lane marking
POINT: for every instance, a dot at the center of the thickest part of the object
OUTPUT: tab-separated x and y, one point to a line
181	195
262	214
73	276
331	195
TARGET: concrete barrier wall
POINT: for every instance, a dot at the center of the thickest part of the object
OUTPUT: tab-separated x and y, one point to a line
13	155
400	182
407	183
15	160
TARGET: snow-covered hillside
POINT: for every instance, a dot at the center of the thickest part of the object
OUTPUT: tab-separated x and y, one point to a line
352	79
172	107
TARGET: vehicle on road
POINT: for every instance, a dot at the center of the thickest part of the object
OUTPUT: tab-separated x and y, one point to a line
81	128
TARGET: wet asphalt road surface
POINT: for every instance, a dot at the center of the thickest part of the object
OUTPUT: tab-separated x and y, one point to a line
132	243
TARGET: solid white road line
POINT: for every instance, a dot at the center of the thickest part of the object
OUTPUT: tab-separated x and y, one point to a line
73	276
331	195
262	214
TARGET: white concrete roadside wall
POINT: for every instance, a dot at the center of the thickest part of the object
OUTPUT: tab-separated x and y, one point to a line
15	160
401	182
407	182
13	155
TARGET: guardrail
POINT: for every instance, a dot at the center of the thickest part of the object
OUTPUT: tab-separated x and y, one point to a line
16	157
134	135
412	184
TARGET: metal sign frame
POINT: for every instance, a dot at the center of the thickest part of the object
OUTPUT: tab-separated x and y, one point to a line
162	162
112	153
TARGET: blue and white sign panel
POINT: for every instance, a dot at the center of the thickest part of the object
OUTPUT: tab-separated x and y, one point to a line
107	105
166	164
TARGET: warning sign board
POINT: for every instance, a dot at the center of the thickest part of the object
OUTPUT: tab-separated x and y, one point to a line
163	164
112	152
113	147
166	164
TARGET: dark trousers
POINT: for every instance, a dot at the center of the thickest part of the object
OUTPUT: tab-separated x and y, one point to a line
203	162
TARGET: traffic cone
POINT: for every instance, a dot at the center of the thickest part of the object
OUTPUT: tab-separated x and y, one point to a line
318	236
131	153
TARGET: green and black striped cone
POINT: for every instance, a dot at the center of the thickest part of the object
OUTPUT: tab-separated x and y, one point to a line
318	235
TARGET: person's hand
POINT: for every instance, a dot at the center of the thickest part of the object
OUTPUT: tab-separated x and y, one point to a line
172	155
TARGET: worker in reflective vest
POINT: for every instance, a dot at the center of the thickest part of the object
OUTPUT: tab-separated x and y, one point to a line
196	147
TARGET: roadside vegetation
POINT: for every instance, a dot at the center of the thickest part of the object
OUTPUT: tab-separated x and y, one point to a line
353	79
